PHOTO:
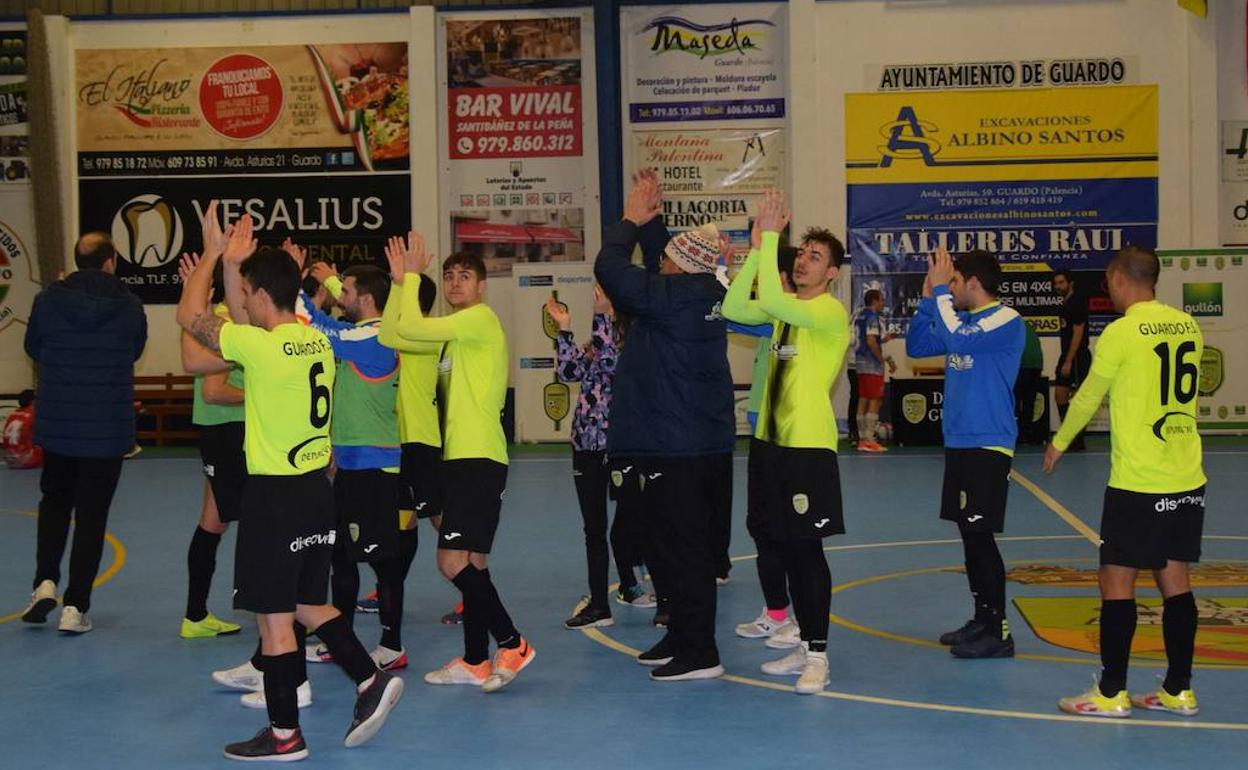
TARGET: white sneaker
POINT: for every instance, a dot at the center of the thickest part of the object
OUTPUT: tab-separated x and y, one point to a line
722	581
793	663
388	659
73	621
760	627
786	637
42	601
814	674
317	653
255	700
244	677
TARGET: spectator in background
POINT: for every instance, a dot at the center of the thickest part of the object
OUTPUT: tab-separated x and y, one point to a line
1075	360
1031	429
85	333
869	363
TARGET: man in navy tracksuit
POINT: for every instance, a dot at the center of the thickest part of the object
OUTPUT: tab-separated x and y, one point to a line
85	333
672	414
982	346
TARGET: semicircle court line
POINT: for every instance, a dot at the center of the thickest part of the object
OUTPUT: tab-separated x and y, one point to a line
119	561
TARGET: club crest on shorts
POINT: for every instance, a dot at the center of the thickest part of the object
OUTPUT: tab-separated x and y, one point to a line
354	529
617	478
801	503
914	407
962	500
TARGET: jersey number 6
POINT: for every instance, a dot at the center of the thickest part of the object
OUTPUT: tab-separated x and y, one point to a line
319	411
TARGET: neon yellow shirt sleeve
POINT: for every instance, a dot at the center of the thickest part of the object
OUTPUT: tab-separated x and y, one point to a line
333	285
737	303
414	326
787	307
1082	408
239	342
391	317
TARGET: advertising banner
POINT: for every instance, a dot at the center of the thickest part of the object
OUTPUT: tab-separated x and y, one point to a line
18	265
310	140
1044	179
1212	286
514	170
704	62
544	405
1233	191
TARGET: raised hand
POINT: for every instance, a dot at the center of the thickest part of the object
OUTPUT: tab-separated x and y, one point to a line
213	236
417	258
186	266
240	245
645	198
322	271
940	270
602	303
395	252
773	213
296	252
559	313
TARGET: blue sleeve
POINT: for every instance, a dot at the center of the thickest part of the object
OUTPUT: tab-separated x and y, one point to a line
631	288
921	339
758	330
996	331
360	345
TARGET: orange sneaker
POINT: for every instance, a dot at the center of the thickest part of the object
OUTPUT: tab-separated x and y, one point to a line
870	446
507	664
457	671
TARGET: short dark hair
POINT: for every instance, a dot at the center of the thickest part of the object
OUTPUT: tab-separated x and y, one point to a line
310	285
274	272
982	265
427	292
465	259
1138	263
1064	273
825	236
872	295
93	249
785	257
370	280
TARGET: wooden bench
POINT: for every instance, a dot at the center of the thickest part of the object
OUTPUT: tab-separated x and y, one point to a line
165	398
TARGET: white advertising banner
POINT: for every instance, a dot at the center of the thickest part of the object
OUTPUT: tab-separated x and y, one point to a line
544	405
18	266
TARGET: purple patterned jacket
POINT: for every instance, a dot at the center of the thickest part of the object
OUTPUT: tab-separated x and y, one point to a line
594	367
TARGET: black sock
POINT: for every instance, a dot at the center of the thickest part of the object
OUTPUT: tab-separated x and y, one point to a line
390	601
281	685
810	582
301	639
1117	629
771	573
1178	627
344	583
986	574
201	562
346	648
501	627
471	584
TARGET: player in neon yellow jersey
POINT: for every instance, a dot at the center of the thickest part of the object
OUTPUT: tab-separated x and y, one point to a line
472	388
795	476
286	530
1153	516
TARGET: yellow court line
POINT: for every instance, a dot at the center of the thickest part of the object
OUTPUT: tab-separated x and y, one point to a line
119	561
1090	534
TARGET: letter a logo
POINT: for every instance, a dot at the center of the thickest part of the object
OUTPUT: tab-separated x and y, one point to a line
908	139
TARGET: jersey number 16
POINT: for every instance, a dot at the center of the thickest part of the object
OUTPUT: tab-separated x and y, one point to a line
1185	374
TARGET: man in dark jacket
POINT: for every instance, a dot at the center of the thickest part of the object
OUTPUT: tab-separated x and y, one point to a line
673	415
85	333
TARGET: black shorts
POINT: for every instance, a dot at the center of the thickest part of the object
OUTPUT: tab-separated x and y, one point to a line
471	510
1145	530
367	507
420	471
977	483
793	494
225	465
285	542
1078	371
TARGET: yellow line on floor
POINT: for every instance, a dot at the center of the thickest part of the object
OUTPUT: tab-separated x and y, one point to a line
1063	513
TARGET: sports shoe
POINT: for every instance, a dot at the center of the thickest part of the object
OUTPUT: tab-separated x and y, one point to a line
455	616
687	669
42	601
388	659
458	672
73	621
722	580
760	627
814	677
659	655
793	663
210	626
244	677
372	706
508	662
1183	704
317	653
985	646
873	447
635	597
369	603
134	452
971	629
786	637
267	747
662	613
589	617
256	700
1093	704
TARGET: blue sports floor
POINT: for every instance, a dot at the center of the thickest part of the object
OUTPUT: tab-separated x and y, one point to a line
132	694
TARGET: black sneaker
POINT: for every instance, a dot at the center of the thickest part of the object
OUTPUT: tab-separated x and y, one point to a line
686	669
662	613
372	707
970	630
658	655
590	617
985	646
267	747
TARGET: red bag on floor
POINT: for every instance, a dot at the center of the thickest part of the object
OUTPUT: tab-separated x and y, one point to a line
19	439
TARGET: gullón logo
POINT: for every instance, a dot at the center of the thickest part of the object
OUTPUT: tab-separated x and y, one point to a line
914	407
147	231
674	33
1202	299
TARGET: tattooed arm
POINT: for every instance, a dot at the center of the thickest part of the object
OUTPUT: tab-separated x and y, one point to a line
201	343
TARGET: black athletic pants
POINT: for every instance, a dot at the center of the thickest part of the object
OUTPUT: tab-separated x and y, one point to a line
592	477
